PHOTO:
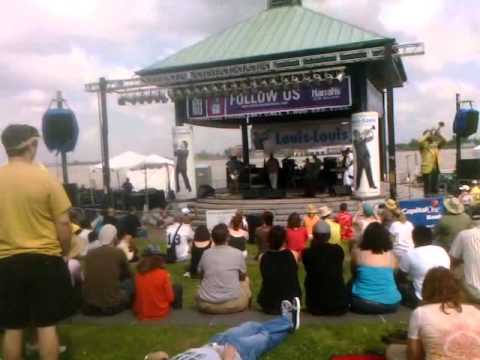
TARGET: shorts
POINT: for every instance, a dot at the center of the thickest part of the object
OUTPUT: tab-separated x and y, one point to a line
35	291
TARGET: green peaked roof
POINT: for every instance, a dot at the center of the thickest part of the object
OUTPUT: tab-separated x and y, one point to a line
278	31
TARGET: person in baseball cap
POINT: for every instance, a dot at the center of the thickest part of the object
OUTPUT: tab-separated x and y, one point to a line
325	290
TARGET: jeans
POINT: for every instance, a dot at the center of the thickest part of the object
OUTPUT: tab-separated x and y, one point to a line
252	339
362	306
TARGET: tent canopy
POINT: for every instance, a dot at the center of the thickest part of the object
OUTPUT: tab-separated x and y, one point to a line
130	160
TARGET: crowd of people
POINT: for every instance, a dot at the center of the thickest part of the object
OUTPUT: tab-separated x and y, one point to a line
47	250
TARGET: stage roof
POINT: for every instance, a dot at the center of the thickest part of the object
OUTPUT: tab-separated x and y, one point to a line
274	33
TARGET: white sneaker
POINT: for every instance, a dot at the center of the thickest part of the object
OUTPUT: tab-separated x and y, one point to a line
187	275
292	312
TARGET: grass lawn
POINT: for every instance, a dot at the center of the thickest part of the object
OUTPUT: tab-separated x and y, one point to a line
134	341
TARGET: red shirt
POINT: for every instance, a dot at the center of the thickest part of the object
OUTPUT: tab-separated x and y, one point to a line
153	295
297	239
345	219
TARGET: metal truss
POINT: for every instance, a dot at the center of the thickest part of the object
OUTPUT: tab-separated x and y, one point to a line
265	69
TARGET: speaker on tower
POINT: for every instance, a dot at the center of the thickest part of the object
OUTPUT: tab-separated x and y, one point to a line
466	122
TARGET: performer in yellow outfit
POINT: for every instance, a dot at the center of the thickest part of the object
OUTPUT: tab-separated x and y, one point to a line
430	145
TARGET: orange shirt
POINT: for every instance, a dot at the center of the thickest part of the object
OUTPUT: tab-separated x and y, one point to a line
154	295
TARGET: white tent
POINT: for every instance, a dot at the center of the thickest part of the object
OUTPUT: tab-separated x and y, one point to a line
142	170
125	160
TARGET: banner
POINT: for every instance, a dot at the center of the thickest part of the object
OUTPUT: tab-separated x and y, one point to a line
302	135
425	212
306	98
215	217
366	154
185	184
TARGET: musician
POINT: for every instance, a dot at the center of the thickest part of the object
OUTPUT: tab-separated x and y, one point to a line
288	166
430	145
362	153
347	165
234	167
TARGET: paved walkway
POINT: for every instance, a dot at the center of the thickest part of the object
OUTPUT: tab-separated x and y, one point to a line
194	318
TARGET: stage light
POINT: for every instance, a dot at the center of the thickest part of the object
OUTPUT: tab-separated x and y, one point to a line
317	78
329	77
307	80
264	85
244	87
340	76
179	94
197	91
188	92
224	89
205	91
286	83
254	87
215	90
133	100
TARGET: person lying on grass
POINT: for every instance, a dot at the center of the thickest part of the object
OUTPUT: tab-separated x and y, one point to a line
247	341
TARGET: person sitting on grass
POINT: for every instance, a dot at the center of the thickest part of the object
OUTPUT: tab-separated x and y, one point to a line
310	219
416	263
126	243
108	286
225	287
238	236
154	292
279	271
325	290
401	231
345	220
374	290
201	243
179	236
443	327
262	233
335	231
365	216
297	235
248	341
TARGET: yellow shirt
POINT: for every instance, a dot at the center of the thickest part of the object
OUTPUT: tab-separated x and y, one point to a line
475	193
30	201
335	231
309	223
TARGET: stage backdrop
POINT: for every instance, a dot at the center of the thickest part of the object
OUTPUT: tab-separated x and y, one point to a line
185	185
334	95
366	152
302	135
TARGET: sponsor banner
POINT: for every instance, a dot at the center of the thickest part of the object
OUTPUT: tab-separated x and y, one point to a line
366	154
302	135
185	184
425	212
215	217
305	98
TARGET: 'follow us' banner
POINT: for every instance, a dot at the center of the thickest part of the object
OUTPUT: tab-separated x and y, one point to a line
305	98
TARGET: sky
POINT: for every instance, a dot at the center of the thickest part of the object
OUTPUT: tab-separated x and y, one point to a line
50	45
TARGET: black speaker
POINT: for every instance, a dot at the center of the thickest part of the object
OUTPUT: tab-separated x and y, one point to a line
72	193
60	130
466	122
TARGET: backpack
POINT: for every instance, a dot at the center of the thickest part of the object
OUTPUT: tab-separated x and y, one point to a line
171	257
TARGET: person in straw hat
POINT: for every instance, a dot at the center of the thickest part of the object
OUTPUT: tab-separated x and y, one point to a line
452	222
325	214
387	214
310	219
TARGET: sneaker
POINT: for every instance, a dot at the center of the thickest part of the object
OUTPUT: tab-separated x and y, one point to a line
297	307
292	312
187	275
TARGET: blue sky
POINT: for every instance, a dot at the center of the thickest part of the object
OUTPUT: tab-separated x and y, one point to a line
47	45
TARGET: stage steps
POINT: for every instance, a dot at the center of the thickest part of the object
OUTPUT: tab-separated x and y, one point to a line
281	208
